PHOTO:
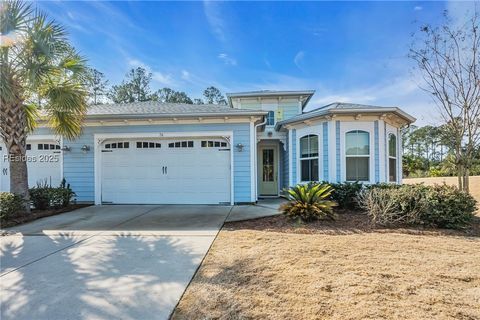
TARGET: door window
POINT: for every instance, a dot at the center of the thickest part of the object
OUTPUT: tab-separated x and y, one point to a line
267	165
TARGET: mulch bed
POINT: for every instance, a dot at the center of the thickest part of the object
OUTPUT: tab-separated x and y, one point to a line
37	214
346	222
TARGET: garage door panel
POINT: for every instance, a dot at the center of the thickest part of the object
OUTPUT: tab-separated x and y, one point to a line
166	175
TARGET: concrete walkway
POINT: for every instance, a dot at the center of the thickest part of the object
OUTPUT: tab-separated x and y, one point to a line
110	262
263	208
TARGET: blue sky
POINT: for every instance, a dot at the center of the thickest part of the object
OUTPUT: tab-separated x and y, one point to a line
346	51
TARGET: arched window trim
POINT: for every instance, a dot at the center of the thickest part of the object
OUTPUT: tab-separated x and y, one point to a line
392	158
313	160
367	155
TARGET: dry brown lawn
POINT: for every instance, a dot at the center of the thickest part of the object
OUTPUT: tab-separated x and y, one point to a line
272	268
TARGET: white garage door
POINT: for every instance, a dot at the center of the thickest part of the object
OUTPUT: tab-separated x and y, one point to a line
156	171
43	163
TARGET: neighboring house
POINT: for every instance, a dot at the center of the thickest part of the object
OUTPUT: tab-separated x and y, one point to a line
262	142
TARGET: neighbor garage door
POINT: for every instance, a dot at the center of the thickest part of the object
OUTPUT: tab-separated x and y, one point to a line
174	171
43	163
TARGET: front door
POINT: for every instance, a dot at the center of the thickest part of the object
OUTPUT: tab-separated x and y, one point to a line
268	171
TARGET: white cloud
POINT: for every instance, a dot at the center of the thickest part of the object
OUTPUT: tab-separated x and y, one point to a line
417	8
161	78
215	19
298	59
227	59
157	76
185	75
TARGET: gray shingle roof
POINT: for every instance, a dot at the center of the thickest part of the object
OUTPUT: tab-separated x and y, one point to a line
345	108
149	108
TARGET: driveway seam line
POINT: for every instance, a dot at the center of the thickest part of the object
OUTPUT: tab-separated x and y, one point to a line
47	255
200	264
73	244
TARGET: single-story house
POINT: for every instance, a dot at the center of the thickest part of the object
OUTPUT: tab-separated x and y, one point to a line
257	145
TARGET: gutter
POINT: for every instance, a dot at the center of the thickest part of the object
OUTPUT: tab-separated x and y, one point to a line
175	115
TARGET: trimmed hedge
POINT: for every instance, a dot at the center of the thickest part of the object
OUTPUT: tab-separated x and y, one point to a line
439	206
10	205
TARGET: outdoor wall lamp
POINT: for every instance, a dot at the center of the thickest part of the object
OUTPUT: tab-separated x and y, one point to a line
85	148
66	148
239	147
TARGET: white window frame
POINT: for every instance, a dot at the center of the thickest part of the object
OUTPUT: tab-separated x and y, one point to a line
300	159
390	134
369	156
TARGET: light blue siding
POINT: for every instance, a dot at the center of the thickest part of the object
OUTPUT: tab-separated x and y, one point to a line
294	156
290	109
325	151
377	151
79	166
337	150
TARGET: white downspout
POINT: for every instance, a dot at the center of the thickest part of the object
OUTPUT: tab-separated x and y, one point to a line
256	155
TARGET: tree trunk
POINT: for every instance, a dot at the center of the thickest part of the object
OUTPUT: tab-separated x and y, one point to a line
13	128
19	177
460	175
466	180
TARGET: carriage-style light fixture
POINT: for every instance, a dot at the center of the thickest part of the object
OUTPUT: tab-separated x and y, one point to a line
239	147
66	148
85	148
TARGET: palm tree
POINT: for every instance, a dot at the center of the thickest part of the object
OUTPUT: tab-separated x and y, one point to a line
41	80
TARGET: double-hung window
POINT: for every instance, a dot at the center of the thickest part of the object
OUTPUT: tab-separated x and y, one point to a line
271	118
392	158
309	158
357	152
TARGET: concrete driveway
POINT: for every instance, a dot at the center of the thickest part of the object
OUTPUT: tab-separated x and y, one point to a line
105	262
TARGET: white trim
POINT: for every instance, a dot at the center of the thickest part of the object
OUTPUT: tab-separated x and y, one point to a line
290	160
155	121
98	139
253	146
37	137
299	157
399	156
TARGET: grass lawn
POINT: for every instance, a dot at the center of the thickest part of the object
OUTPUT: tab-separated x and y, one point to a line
272	268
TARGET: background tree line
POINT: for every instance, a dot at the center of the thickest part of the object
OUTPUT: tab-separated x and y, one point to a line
428	152
135	87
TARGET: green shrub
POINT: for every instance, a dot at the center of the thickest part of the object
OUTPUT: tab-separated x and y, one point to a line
437	206
62	196
448	207
309	202
345	194
10	205
44	197
41	195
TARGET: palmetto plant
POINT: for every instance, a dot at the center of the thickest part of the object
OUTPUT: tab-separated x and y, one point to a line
309	202
41	80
